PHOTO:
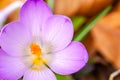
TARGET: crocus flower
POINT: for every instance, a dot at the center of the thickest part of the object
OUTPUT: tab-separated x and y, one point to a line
38	44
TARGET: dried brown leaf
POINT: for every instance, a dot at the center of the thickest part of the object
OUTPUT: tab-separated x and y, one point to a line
4	3
106	35
83	7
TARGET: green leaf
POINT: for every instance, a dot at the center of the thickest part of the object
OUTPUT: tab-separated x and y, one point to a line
61	77
20	79
78	21
51	3
90	25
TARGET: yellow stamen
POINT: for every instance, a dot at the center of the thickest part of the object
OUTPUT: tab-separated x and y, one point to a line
34	68
37	61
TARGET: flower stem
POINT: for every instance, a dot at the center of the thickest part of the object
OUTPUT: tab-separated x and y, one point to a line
90	25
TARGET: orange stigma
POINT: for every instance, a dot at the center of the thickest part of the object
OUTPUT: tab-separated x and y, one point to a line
35	49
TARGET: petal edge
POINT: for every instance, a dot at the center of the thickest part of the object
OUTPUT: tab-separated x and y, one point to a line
70	60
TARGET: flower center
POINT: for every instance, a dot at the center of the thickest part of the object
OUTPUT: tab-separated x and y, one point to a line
37	59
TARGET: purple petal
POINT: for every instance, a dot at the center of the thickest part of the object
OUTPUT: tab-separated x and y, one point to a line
57	32
70	60
43	74
13	38
11	68
33	14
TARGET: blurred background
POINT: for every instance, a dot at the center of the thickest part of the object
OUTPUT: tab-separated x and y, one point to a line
102	40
